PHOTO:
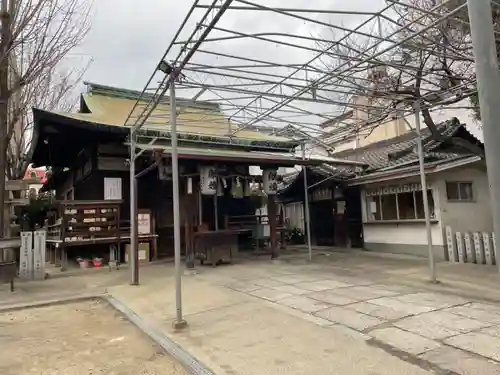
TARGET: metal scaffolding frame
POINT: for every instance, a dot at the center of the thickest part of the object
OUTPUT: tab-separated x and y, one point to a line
218	57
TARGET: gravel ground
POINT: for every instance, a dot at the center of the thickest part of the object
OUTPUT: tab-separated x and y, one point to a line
80	338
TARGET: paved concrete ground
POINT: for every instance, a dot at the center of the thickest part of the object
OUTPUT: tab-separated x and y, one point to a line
342	313
78	338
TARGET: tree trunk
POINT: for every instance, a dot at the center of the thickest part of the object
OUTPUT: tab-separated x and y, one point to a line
4	106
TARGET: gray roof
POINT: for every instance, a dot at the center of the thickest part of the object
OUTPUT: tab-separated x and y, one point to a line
401	151
397	152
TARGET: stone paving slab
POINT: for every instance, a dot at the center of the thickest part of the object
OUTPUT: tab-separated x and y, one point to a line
495	309
331	297
302	315
304	304
362	293
244	286
349	318
382	312
398	305
461	362
267	283
492	331
398	289
296	278
270	294
290	289
475	313
355	281
479	343
404	341
320	285
434	300
439	324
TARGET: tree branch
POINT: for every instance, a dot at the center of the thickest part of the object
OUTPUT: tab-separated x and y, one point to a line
44	32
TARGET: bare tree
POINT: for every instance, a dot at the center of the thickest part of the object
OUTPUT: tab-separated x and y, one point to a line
55	90
434	68
36	37
43	33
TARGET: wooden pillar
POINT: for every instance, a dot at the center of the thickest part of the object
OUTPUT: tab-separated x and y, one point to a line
273	221
282	225
57	256
64	259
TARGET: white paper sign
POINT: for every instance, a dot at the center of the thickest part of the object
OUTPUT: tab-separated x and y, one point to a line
340	207
144	223
112	188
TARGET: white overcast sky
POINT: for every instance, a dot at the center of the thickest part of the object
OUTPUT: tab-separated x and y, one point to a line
128	38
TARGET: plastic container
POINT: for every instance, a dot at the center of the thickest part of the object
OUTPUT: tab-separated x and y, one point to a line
97	262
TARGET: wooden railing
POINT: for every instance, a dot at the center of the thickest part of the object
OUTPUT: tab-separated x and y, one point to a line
245	221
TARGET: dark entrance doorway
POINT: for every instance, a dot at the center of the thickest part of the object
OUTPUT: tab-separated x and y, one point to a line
322	222
354	217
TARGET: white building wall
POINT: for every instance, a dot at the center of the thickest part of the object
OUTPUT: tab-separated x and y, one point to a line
467	216
402	233
410	236
346	145
404	236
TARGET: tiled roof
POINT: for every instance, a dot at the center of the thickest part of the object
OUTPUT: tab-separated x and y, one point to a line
402	150
112	106
396	153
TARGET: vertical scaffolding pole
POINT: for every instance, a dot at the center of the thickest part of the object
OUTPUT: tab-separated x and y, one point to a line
179	321
132	258
488	81
423	181
307	217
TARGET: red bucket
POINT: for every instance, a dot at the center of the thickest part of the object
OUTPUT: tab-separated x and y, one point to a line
97	262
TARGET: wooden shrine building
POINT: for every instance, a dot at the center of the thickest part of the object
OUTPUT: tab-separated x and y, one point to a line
88	154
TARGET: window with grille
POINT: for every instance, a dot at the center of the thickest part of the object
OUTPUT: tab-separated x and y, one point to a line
399	206
459	191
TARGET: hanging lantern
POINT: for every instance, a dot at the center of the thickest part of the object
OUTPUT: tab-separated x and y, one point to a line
237	188
270	179
208	180
248	188
220	187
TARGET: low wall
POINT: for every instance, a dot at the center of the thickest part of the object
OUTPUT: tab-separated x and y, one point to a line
403	237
